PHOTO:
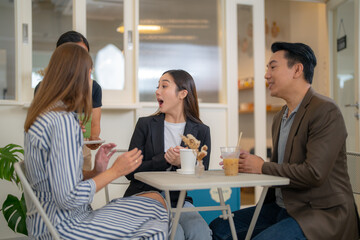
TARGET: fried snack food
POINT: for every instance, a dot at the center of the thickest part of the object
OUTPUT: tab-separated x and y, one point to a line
202	153
193	143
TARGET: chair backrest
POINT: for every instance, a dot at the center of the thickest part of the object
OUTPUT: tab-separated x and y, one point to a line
30	196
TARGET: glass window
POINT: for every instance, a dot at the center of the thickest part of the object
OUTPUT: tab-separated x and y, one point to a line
105	35
7	51
50	19
180	34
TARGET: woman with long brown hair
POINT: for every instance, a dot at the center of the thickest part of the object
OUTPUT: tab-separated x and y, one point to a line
159	138
53	160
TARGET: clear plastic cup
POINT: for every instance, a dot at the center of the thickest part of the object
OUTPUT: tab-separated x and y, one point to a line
230	156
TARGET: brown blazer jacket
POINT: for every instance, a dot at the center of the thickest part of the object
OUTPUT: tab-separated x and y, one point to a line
319	196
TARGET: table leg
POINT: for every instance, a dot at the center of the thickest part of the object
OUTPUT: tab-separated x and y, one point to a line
227	214
107	194
222	203
179	206
256	213
167	197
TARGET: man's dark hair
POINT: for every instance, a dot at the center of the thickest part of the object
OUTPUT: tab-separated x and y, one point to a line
72	36
298	53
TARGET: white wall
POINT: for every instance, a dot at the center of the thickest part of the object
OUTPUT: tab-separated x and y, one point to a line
304	15
304	22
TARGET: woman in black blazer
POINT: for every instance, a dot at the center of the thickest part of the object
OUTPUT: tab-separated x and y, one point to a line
158	137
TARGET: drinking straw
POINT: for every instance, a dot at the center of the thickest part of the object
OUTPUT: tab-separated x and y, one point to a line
239	140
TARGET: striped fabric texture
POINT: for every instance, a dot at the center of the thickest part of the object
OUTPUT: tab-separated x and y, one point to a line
53	161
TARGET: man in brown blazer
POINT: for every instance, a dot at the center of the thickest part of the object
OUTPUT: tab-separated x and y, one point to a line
309	138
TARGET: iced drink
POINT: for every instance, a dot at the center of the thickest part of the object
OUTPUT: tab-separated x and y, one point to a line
231	166
230	156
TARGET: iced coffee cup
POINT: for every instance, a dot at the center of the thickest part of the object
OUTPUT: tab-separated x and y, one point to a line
230	156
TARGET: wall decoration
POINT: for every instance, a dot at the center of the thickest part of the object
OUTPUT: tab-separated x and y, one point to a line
275	30
341	41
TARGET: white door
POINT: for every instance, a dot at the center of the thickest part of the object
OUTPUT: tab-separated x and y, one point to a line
344	42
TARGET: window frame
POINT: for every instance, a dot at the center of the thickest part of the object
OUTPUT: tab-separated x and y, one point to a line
112	99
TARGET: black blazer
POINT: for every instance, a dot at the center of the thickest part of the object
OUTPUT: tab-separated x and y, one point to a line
148	136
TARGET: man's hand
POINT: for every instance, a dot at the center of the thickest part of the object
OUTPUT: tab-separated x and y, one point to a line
249	163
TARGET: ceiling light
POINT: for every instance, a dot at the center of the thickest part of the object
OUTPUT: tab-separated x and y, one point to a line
146	29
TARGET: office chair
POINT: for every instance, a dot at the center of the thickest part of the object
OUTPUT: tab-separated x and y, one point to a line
30	197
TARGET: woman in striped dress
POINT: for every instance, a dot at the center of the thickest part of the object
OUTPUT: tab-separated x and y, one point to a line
53	160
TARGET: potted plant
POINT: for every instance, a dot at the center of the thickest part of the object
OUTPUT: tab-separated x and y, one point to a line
13	208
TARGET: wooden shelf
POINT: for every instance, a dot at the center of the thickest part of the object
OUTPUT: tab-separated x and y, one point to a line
250	86
246	87
246	111
271	109
274	109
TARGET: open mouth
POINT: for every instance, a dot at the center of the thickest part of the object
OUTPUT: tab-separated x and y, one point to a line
160	101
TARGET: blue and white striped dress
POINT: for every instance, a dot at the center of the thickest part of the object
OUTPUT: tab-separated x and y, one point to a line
53	160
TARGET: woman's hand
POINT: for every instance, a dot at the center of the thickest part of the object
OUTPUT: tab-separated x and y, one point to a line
172	156
127	162
124	164
82	126
102	157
